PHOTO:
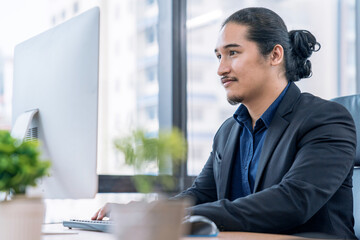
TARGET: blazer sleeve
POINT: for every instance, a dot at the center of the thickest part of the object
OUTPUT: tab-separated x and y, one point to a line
204	188
326	143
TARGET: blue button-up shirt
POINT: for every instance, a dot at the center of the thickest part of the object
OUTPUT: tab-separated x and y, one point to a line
250	145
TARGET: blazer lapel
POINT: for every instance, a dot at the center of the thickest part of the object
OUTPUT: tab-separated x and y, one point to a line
228	155
272	138
277	127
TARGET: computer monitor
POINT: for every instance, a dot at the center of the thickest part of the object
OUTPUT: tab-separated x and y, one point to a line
56	73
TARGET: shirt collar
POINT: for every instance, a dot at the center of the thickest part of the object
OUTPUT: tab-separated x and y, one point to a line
242	115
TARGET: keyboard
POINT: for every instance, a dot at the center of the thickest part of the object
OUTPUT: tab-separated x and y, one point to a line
93	225
196	229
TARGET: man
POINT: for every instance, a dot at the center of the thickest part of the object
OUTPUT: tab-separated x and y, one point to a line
283	163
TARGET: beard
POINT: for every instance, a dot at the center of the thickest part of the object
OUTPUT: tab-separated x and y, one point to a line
235	100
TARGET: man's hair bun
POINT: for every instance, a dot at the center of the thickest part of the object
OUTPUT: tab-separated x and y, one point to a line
303	44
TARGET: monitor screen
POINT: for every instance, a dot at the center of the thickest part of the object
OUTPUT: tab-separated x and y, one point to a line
56	72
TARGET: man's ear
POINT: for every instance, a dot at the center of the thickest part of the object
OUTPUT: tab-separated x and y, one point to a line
277	55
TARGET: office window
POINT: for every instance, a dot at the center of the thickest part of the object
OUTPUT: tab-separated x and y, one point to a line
2	64
150	2
136	78
128	64
133	69
151	74
151	113
346	48
53	21
331	21
63	15
19	20
75	7
150	35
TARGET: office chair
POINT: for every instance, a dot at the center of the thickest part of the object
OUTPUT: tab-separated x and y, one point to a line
352	104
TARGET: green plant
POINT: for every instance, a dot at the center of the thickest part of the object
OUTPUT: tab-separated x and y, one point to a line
140	150
20	164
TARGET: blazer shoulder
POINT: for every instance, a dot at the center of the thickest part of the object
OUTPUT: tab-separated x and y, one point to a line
318	105
226	126
311	112
225	130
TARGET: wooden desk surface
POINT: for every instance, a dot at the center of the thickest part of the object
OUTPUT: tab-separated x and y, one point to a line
247	236
57	210
58	232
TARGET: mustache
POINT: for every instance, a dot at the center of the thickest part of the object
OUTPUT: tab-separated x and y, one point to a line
227	79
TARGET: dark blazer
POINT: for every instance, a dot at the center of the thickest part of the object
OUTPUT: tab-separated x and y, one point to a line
304	177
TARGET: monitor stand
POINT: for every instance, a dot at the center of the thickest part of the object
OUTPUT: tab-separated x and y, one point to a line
20	130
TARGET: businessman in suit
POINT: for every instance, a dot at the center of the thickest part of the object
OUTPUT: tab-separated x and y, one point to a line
283	163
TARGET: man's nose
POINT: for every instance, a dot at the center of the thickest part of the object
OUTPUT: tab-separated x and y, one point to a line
223	68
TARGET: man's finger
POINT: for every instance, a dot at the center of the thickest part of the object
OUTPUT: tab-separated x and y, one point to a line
102	213
95	216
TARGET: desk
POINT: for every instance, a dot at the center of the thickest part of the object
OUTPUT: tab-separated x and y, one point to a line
75	234
58	210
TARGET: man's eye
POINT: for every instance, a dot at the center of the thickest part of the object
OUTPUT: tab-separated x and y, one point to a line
232	53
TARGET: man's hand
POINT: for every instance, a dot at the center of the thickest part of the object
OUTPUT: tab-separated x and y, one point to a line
103	212
106	209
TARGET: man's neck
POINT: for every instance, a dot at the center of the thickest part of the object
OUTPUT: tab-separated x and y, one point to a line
259	105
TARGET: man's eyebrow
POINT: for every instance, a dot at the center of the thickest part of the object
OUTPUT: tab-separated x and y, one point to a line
229	46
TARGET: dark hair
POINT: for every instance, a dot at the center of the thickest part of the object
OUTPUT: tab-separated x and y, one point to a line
267	29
